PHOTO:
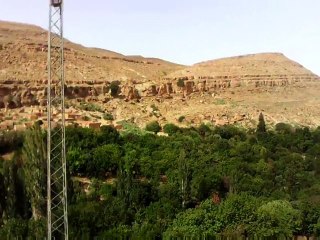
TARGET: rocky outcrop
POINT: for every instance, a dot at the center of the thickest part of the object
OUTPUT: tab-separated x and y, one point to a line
15	94
209	83
201	86
149	91
129	92
83	91
165	89
188	87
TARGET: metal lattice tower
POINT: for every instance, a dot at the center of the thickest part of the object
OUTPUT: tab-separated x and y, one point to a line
57	212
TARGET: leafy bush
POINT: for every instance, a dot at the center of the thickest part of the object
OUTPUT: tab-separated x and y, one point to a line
14	228
105	159
90	107
108	116
114	88
220	101
170	128
153	127
154	107
10	141
181	119
283	128
276	219
180	83
85	118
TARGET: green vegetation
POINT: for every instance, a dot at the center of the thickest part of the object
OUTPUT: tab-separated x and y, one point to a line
129	127
85	118
34	160
153	127
220	101
92	107
108	116
180	83
114	88
154	107
261	128
170	128
197	182
23	120
181	119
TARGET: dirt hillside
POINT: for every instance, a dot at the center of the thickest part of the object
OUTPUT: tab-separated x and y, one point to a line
224	91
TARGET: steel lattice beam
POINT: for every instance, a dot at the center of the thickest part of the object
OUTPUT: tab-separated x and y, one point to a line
57	212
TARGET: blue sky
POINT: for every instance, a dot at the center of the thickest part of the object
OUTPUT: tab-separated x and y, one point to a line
186	31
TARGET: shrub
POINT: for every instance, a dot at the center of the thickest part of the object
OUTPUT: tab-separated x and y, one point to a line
154	107
153	127
276	219
220	101
90	107
283	128
85	118
204	129
170	128
181	119
14	228
180	83
108	116
261	128
114	88
10	141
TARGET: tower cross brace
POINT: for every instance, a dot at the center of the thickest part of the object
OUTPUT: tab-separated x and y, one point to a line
57	211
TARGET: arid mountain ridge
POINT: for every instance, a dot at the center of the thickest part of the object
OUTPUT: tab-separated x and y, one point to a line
222	91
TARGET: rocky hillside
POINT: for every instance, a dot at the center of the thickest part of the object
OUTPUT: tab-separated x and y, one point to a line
229	90
265	69
23	54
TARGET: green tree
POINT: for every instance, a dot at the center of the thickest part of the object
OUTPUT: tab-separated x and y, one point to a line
276	219
236	213
10	141
184	172
34	160
37	229
9	196
194	223
114	88
153	126
170	128
283	128
15	228
105	159
261	128
310	215
78	161
152	221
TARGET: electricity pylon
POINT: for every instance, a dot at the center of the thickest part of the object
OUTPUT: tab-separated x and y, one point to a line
57	212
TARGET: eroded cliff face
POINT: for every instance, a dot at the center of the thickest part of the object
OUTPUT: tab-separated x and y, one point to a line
15	94
89	71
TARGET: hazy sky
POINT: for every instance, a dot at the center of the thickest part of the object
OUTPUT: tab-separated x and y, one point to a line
186	31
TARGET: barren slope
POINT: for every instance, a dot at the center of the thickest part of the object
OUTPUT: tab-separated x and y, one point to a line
23	57
225	91
256	69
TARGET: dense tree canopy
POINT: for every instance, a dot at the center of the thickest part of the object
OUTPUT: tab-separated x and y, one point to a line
202	181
